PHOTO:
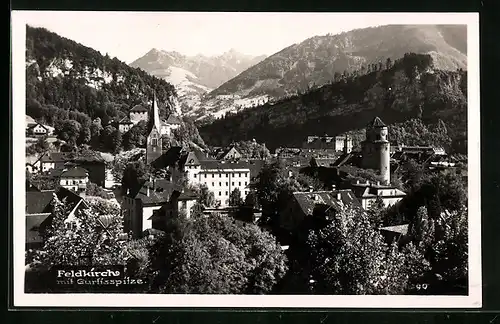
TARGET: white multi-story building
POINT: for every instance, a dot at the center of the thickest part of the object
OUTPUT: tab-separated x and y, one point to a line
220	177
368	193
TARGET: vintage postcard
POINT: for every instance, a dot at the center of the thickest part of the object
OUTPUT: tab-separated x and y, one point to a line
231	159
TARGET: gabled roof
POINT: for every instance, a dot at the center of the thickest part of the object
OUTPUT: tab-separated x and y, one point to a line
194	157
31	126
228	150
75	172
55	157
33	224
352	158
38	201
377	122
188	195
160	191
308	200
169	158
221	165
399	229
125	120
173	120
139	108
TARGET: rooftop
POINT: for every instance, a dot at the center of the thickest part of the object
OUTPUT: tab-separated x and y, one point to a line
139	108
76	172
336	199
173	120
400	229
157	191
377	122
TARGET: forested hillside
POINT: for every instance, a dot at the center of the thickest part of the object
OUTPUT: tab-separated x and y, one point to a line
79	91
409	88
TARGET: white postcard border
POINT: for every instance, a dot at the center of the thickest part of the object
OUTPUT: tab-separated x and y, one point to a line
473	300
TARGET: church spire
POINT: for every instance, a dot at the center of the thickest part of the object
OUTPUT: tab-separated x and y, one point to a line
155	114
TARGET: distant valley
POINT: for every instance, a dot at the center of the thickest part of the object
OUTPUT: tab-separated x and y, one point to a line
194	76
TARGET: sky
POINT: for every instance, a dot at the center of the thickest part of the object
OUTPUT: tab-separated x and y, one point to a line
130	35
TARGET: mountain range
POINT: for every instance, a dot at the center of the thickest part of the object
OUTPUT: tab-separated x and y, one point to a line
314	62
410	88
194	76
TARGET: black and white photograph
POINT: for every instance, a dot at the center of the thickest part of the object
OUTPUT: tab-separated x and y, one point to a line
246	159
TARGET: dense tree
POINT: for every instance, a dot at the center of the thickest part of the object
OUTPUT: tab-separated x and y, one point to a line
218	255
273	188
40	146
68	131
69	241
134	174
95	190
348	256
136	136
444	242
235	198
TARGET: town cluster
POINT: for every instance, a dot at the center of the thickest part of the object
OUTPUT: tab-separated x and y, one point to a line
221	171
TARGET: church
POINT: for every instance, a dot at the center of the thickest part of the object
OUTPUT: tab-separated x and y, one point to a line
154	141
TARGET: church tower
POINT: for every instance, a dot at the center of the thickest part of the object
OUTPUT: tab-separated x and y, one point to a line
153	142
376	149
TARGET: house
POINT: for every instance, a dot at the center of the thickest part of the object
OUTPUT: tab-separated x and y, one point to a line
229	154
124	124
37	130
74	179
138	113
91	161
368	192
337	143
172	122
139	204
220	177
33	163
307	204
180	202
39	211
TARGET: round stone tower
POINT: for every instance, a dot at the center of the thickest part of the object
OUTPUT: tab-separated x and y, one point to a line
376	149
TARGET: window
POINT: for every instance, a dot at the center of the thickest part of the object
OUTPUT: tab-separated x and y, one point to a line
194	175
213	175
227	175
232	183
246	192
220	184
220	193
246	183
205	175
226	193
239	183
239	175
227	183
212	184
154	142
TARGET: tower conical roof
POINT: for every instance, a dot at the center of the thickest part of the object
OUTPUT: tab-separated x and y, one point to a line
377	122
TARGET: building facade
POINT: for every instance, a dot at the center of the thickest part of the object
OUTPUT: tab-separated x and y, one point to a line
368	193
138	206
336	143
74	179
138	113
376	149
